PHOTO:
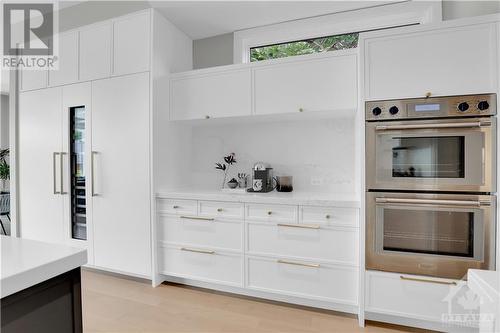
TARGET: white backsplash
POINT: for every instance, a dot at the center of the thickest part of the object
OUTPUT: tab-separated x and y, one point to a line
318	153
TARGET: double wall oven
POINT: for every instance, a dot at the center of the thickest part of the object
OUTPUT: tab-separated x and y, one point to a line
430	179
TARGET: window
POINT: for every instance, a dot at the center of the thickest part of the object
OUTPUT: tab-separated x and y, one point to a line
306	46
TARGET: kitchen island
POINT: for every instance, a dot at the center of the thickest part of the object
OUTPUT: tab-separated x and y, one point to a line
40	286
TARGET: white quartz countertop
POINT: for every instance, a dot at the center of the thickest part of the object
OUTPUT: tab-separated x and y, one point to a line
26	263
291	198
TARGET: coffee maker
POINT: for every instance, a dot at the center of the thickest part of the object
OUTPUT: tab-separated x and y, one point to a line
262	178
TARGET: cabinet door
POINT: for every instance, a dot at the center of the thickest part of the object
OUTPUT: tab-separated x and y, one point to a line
76	146
215	95
315	84
40	136
67	71
121	191
451	61
95	52
131	44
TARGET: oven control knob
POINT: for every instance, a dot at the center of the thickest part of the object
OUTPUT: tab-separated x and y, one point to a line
483	105
376	111
393	110
462	107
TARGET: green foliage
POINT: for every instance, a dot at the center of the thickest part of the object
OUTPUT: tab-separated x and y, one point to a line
4	166
309	46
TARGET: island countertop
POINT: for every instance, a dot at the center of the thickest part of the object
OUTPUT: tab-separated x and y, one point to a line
26	263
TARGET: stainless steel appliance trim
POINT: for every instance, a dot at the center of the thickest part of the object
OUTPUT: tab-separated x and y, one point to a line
481	123
402	277
435	202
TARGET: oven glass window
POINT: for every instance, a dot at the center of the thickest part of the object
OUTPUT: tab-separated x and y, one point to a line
428	157
429	231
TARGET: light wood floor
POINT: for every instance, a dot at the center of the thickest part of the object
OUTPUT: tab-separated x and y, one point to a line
115	304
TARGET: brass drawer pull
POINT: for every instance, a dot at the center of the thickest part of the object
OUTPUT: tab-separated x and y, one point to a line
196	250
269	213
220	210
280	261
303	226
327	216
176	207
428	280
197	218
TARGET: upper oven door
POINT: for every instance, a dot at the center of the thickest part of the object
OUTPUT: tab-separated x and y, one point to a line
434	155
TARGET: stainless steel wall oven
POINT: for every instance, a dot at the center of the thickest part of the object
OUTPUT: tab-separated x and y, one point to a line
430	175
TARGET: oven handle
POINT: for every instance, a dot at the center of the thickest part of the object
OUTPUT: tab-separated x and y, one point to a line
478	203
475	124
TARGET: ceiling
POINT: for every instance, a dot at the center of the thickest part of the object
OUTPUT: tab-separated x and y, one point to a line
201	19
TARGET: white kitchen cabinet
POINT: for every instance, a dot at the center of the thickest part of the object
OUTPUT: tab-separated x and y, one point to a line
39	148
121	179
211	95
95	51
441	61
31	79
312	84
67	60
408	296
131	44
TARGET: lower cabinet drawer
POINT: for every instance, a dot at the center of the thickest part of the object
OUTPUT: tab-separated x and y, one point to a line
306	241
411	296
211	233
177	206
304	279
201	264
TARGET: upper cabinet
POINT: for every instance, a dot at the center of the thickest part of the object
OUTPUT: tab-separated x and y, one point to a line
454	60
318	84
131	44
213	95
66	70
111	48
95	52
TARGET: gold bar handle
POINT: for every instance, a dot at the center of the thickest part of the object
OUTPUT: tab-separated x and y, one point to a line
54	173
286	262
61	169
92	176
402	277
196	250
197	218
475	124
303	226
434	202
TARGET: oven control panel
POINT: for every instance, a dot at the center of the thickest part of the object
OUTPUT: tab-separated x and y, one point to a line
432	107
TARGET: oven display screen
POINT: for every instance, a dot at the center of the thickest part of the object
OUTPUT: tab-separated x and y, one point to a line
427	107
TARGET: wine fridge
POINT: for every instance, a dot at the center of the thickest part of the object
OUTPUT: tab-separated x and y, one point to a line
77	175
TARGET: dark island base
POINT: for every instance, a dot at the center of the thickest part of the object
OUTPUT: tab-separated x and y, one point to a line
53	306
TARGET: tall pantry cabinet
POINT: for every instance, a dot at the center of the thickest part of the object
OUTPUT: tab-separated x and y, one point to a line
85	144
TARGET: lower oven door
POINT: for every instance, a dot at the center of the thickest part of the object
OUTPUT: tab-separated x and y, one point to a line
439	235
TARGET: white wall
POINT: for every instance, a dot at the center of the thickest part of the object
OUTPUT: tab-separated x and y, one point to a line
213	51
319	152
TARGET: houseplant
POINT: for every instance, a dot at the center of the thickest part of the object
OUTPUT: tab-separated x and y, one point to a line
4	167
